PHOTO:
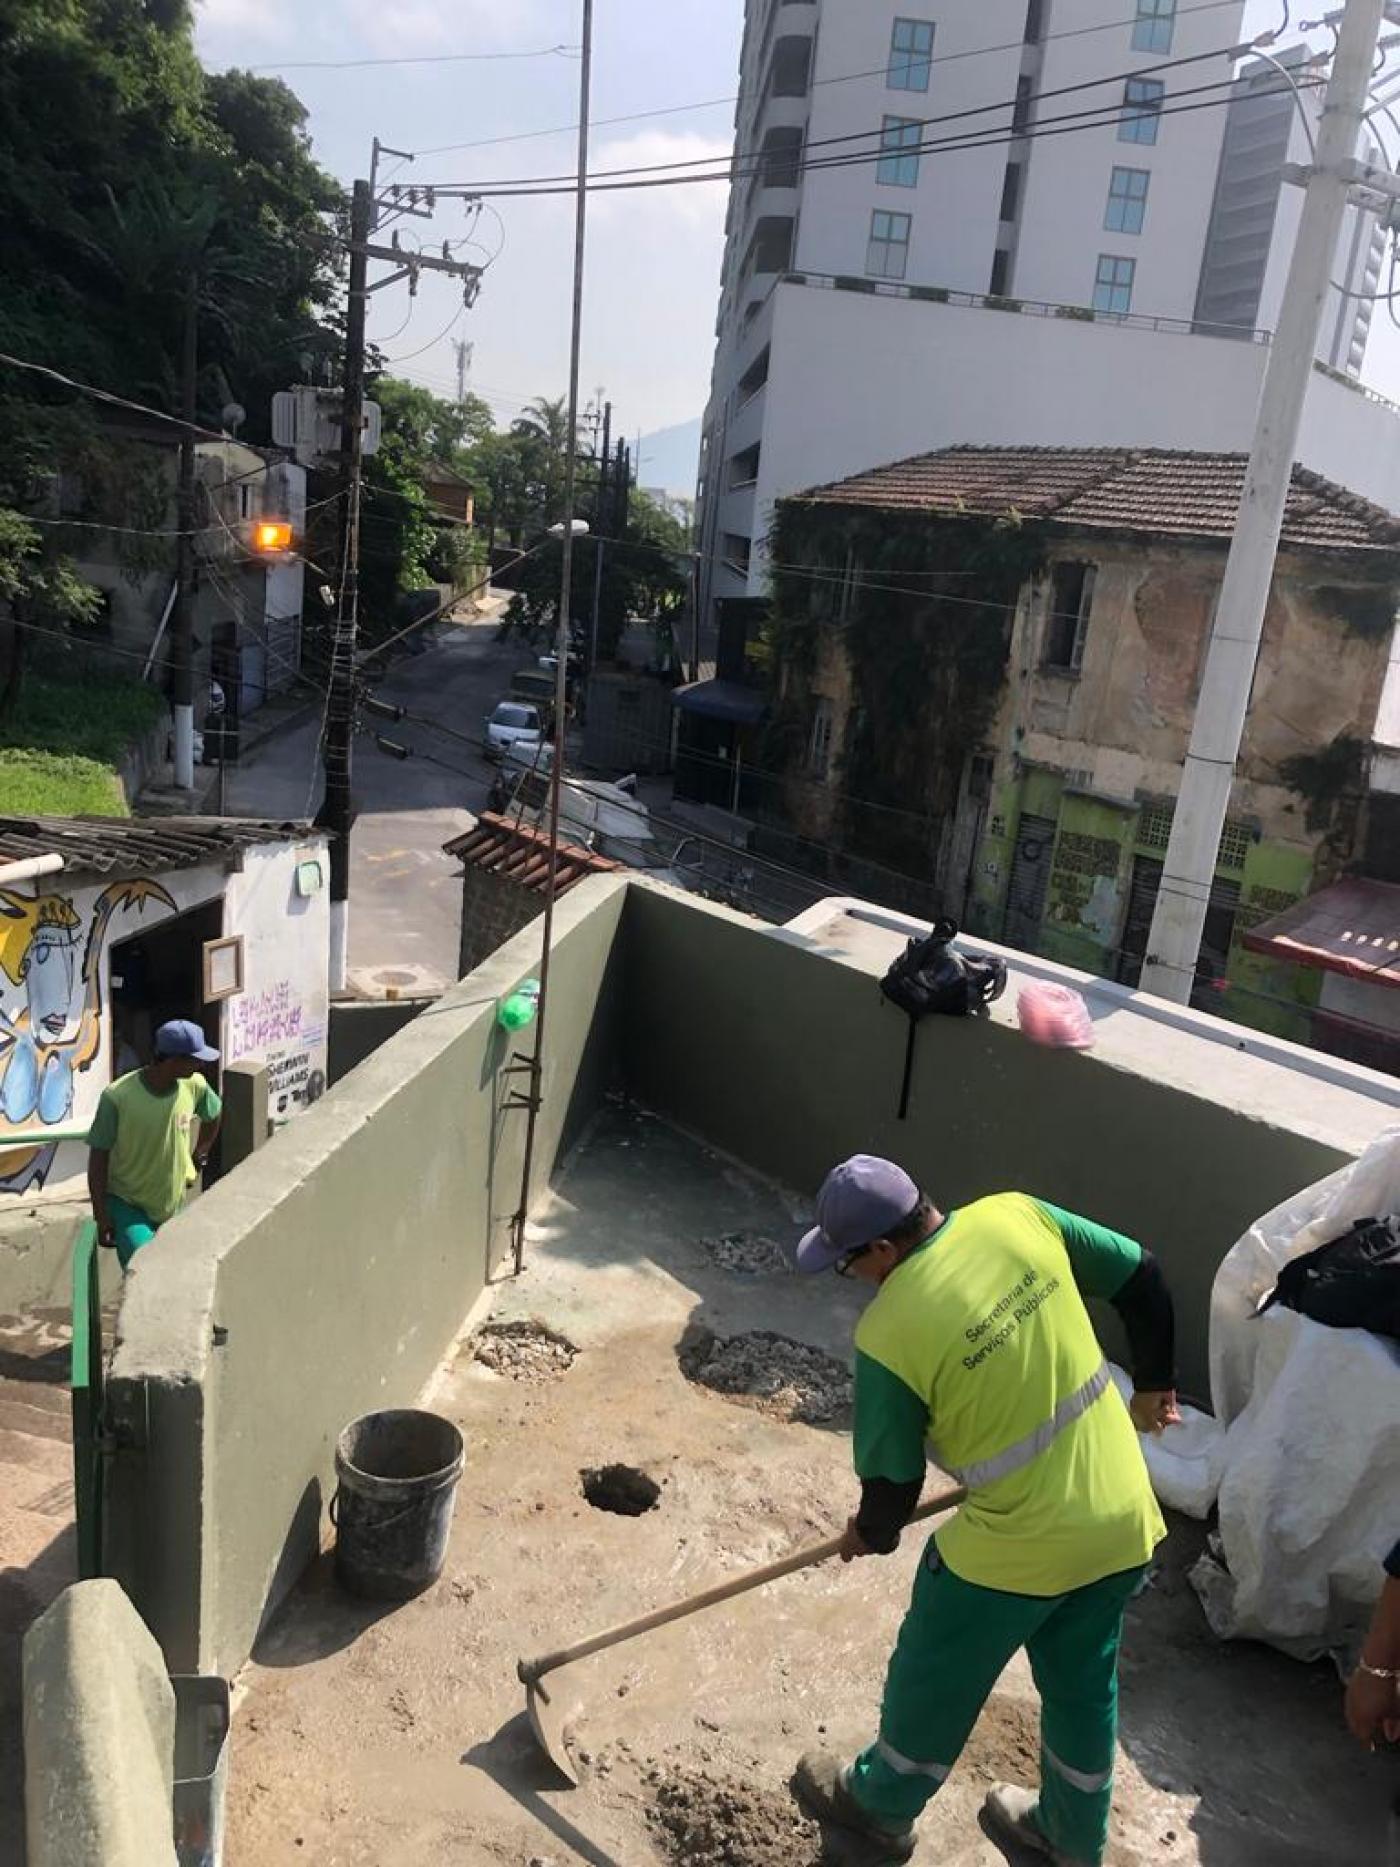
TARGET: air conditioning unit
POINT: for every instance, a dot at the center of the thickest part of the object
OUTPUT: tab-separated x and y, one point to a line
307	421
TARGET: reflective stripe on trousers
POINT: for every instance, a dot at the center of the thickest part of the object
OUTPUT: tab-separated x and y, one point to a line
1089	1784
906	1766
1073	1407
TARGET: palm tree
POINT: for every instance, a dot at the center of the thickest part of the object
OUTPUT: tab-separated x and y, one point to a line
544	424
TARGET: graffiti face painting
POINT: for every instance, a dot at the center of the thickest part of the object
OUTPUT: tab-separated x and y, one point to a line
51	1003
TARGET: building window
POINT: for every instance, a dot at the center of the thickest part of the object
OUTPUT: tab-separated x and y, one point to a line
819	745
1113	283
736	550
899	171
1071	598
1001	269
887	256
1011	191
1127	200
1155	24
911	55
1142	107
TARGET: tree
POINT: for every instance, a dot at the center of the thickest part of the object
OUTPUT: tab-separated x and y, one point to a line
124	168
543	428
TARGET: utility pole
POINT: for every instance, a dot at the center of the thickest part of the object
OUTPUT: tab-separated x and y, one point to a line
1179	917
182	615
601	517
561	681
337	814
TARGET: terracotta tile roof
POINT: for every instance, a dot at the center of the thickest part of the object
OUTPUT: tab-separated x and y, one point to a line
140	845
501	846
1351	927
1144	490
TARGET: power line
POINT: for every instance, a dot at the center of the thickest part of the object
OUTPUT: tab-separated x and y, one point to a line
850	77
421	58
763	159
117	401
1104	116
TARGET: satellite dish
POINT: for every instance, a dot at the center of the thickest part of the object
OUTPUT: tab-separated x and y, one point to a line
233	415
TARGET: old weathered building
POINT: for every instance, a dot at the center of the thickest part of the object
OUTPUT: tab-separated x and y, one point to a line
988	661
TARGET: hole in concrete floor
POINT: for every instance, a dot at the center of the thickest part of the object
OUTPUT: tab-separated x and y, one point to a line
791	1380
747	1254
525	1351
621	1489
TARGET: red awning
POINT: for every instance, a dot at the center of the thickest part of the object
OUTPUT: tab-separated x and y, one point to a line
1352	927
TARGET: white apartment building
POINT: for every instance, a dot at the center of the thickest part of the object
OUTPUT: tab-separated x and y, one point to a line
863	307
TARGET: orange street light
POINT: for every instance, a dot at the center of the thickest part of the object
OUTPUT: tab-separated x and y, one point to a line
272	535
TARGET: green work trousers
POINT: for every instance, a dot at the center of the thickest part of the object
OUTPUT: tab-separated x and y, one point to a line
954	1643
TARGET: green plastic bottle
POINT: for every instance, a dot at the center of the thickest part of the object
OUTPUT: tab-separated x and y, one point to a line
519	1009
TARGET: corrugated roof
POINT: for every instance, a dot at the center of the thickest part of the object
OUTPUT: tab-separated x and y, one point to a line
501	846
140	845
1151	490
1351	927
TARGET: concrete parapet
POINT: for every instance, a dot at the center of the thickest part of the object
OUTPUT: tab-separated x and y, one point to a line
99	1735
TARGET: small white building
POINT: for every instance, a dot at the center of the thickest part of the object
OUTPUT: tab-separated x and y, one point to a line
222	921
863	301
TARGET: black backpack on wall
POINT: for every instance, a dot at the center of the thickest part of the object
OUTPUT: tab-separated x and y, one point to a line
930	976
1351	1283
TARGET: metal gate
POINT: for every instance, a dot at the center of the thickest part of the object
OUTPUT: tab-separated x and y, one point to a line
1207	992
1029	883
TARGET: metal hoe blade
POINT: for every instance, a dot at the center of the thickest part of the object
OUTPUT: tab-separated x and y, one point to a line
545	1709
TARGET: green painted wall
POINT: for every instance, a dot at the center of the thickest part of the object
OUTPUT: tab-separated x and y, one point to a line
1271	995
1088	884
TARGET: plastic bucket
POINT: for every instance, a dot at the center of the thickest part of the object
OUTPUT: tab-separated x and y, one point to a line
396	1478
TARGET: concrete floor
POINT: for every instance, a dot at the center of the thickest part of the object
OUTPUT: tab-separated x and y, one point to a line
395	1737
405	894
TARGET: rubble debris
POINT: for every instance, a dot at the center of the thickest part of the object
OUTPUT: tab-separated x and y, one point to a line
791	1380
621	1489
707	1820
524	1351
747	1254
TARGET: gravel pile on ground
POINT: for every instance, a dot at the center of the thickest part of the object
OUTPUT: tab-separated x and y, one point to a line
706	1820
747	1254
772	1372
525	1351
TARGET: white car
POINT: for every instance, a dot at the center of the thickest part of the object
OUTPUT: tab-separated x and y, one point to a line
511	723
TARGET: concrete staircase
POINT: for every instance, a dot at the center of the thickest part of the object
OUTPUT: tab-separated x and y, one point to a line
38	1553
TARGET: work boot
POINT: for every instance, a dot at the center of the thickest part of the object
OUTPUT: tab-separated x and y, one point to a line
1012	1811
820	1783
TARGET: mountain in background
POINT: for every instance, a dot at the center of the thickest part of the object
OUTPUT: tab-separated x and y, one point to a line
670	459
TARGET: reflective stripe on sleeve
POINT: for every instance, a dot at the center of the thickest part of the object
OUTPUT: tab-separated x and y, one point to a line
1073	1407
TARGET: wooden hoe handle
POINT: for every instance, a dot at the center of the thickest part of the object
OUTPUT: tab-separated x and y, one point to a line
533	1670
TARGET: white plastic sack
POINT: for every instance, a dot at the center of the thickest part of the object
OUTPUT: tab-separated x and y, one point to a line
1309	1487
1367	1188
1184	1462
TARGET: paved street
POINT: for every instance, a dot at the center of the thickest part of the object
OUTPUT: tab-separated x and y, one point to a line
405	895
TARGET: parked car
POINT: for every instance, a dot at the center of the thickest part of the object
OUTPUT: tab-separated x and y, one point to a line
532	684
511	723
529	763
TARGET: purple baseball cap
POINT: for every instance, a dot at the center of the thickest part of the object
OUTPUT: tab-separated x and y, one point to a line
860	1201
183	1038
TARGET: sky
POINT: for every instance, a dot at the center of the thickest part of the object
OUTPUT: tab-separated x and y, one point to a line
653	257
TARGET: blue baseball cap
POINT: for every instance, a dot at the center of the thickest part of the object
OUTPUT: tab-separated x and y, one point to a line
860	1201
183	1038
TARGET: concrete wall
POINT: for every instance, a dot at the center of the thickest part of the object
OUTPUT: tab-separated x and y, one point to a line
99	1735
777	1047
324	1282
359	1026
494	909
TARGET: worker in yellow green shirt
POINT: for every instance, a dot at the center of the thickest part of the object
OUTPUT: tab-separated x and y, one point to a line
977	1352
150	1139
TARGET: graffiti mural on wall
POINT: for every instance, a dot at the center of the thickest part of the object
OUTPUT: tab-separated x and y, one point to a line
272	1025
51	1004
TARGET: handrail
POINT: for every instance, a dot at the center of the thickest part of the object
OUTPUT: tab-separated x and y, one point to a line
41	1137
85	1375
